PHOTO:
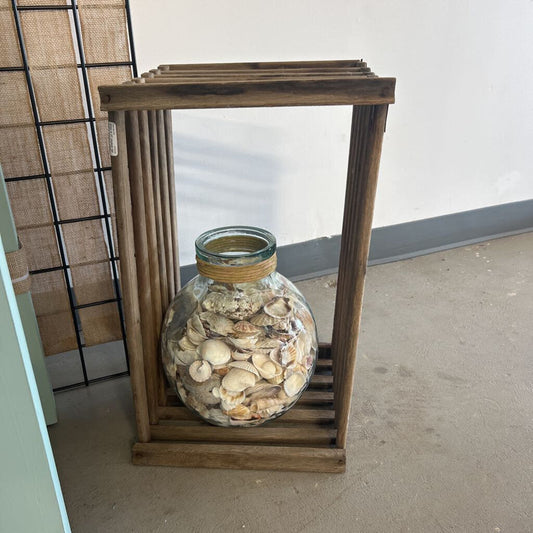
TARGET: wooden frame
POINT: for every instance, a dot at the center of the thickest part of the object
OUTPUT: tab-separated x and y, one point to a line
312	435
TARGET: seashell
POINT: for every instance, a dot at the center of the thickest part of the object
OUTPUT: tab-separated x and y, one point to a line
289	354
294	384
221	371
185	344
217	287
241	355
307	320
237	380
194	386
215	351
240	412
187	357
217	323
278	308
200	371
265	403
262	319
193	335
227	398
243	329
276	380
245	343
244	365
267	368
262	390
233	305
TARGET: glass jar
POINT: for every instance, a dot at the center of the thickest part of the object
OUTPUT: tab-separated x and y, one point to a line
239	342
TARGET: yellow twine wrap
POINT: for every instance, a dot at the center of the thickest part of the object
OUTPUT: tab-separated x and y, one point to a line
237	274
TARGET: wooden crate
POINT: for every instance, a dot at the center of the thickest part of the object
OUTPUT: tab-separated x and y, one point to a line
312	435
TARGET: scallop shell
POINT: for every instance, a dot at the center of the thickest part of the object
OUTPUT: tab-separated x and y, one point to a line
217	323
267	368
227	398
187	357
278	308
185	344
276	380
240	412
200	371
262	319
246	343
215	351
241	355
196	336
289	354
244	329
244	365
237	380
294	384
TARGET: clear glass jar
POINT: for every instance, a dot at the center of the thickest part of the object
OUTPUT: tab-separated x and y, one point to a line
239	342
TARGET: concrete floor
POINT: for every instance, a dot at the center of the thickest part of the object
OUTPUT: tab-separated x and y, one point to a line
441	435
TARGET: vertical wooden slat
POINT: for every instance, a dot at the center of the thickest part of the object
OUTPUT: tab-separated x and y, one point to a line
368	124
172	197
165	202
143	265
128	275
154	154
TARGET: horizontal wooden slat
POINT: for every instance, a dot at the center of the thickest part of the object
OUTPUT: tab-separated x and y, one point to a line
294	415
278	435
268	93
229	73
249	78
337	63
287	458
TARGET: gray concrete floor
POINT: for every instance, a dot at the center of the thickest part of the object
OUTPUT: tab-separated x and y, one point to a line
441	434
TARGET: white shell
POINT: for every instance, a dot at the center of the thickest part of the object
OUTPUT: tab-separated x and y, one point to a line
243	329
228	398
294	384
278	308
237	380
215	351
217	323
185	344
246	343
245	365
200	371
262	319
239	355
266	367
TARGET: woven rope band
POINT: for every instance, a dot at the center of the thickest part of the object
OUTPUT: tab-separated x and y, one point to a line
18	270
237	274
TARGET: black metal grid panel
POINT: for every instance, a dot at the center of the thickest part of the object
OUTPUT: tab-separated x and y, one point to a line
98	170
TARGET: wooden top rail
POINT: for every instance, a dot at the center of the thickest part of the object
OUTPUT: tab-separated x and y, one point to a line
251	85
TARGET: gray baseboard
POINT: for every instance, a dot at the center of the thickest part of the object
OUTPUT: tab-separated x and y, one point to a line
402	241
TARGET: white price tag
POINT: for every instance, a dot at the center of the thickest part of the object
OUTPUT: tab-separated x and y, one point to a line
113	144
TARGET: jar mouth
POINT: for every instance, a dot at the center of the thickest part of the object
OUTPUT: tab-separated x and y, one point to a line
235	245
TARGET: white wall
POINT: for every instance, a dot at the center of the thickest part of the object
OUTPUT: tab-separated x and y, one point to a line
458	138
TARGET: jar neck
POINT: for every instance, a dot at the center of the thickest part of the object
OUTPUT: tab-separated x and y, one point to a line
236	254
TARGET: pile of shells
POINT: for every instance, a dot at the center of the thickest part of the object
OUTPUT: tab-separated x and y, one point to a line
244	356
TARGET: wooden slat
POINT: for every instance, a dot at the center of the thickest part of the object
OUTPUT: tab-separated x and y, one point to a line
300	71
286	458
128	276
268	93
165	203
316	436
294	415
336	63
141	255
172	198
323	364
154	155
368	124
179	80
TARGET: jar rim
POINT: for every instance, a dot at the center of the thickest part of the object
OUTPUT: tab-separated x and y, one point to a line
232	245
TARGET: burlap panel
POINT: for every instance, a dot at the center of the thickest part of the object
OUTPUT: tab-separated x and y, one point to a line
50	299
10	56
104	33
52	57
